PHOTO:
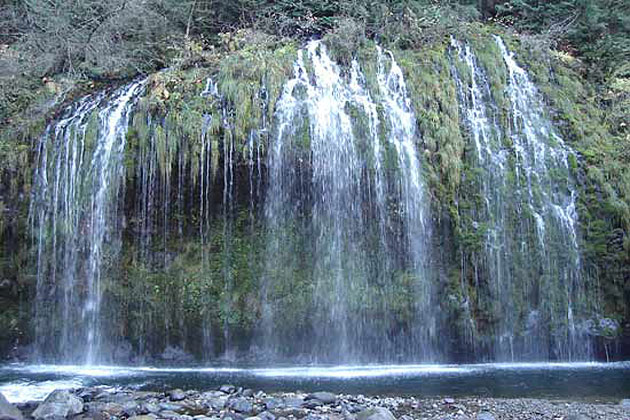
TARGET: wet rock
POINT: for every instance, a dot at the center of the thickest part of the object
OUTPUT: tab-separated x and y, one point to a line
449	400
576	417
247	393
274	403
352	408
148	407
293	402
87	394
217	403
59	404
110	408
168	414
227	389
266	415
625	404
170	407
315	417
8	411
485	415
324	397
131	408
311	404
123	353
240	405
376	413
233	416
175	355
176	395
212	394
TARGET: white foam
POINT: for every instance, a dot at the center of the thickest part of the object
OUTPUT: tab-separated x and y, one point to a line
23	391
350	372
340	372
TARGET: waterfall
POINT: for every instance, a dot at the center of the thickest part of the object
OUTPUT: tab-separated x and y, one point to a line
76	223
531	254
364	223
307	233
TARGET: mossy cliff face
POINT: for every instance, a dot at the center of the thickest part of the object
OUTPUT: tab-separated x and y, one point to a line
194	242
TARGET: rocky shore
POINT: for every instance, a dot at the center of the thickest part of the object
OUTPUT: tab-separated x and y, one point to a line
234	403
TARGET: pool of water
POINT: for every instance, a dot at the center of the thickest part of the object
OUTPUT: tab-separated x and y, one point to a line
576	381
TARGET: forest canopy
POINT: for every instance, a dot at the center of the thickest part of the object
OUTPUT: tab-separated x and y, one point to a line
94	38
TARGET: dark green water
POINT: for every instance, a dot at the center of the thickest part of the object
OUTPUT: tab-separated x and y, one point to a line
581	381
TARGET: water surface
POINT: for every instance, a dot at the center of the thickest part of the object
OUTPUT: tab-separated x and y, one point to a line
576	381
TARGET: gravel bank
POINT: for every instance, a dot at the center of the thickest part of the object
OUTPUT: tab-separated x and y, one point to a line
233	403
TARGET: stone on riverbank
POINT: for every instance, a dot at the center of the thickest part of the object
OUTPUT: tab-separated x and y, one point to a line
177	395
376	413
8	411
216	405
324	397
240	405
227	389
59	404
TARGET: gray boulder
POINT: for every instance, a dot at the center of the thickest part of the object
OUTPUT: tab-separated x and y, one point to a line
233	416
176	395
168	414
175	355
324	397
227	389
211	394
240	405
148	407
274	403
59	404
485	415
170	407
266	415
8	411
625	404
293	402
376	413
312	404
217	403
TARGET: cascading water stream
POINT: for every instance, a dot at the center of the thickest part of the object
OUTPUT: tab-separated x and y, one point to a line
328	181
401	123
531	254
77	222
